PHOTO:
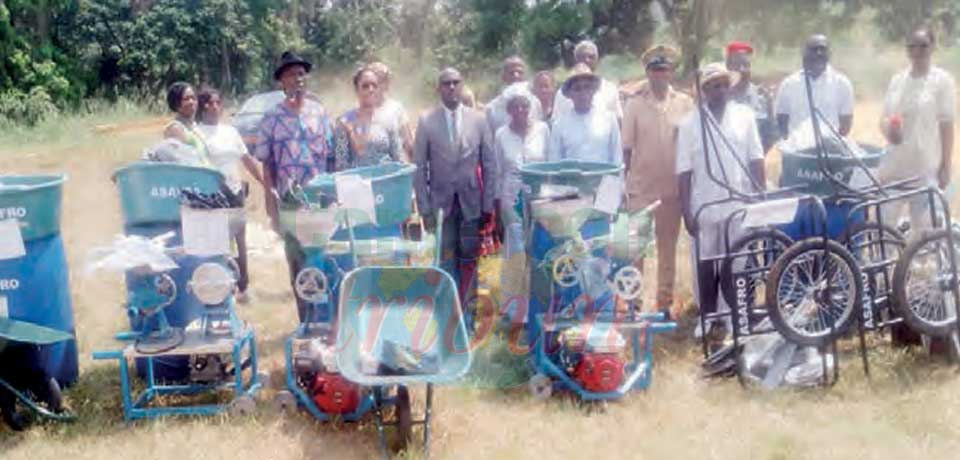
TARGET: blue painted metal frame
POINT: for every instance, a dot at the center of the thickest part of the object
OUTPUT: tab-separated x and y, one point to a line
137	408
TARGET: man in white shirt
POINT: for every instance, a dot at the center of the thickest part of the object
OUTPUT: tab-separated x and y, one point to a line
832	92
608	94
738	162
588	132
513	75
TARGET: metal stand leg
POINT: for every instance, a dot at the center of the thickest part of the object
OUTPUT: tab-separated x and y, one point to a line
378	419
426	422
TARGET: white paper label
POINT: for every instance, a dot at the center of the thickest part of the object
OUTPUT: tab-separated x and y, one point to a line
554	190
356	193
609	195
206	232
11	240
774	212
315	227
4	307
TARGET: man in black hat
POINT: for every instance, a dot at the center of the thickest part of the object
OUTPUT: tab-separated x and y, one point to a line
295	143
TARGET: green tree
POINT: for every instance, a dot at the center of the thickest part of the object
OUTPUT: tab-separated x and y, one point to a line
35	77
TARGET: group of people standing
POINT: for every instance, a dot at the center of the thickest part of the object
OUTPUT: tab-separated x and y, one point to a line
467	159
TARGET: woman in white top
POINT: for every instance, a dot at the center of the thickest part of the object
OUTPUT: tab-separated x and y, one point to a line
225	151
523	140
918	114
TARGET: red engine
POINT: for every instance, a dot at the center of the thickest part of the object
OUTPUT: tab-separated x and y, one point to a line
599	372
334	394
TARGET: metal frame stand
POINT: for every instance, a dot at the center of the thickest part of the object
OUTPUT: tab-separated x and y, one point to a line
139	407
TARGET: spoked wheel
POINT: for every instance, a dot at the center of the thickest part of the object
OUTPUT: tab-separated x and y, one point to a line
872	244
743	274
404	418
812	298
924	283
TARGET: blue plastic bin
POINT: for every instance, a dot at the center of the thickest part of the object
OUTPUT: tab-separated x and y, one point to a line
392	185
150	192
35	287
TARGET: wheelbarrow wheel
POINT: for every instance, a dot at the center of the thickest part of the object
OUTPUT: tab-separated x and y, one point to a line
746	273
923	284
404	418
811	298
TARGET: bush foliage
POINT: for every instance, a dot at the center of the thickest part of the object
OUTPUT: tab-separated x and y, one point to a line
56	53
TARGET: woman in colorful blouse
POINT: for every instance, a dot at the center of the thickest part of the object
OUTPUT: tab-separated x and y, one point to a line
360	138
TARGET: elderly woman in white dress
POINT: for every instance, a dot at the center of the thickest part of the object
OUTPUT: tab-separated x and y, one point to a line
522	140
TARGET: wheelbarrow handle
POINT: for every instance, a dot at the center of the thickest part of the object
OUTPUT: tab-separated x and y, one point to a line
36	408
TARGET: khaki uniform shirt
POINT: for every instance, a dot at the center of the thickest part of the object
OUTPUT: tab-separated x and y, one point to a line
649	130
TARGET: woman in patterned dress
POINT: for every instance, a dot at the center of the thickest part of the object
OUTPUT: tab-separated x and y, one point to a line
361	139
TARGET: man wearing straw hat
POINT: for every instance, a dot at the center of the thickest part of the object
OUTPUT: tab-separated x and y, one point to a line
735	159
588	132
607	94
649	152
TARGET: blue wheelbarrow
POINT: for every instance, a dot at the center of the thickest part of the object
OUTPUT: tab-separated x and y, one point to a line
395	326
22	380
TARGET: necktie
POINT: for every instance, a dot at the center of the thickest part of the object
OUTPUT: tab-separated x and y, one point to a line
454	128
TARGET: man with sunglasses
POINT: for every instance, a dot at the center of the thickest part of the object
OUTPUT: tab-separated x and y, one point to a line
733	160
832	93
451	142
918	121
918	114
649	153
588	132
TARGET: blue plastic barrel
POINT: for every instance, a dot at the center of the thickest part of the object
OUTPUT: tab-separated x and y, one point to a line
150	203
584	175
35	287
803	167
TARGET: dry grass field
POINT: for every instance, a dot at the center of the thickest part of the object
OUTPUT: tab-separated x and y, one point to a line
908	410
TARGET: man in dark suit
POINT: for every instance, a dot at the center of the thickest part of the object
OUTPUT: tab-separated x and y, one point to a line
451	141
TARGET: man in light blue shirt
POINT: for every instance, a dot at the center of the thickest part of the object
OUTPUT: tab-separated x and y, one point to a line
588	132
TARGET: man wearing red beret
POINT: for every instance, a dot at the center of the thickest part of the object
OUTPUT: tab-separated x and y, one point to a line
739	56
